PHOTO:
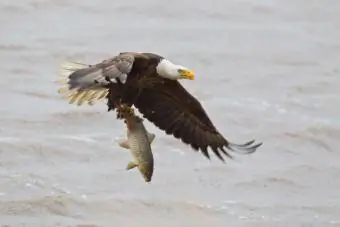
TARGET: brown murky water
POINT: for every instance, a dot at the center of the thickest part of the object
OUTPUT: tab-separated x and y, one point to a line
265	69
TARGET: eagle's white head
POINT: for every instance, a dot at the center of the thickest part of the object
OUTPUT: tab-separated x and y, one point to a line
169	70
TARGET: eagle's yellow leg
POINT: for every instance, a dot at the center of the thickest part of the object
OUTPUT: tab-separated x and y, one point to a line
124	110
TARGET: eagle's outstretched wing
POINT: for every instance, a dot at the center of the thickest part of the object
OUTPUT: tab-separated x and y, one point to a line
174	110
101	73
87	83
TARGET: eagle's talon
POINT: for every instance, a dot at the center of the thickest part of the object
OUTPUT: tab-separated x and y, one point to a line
124	110
131	111
119	115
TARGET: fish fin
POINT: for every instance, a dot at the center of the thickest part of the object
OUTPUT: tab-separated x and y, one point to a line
131	165
151	137
124	144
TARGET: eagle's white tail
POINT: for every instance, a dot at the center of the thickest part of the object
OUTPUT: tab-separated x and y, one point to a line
76	95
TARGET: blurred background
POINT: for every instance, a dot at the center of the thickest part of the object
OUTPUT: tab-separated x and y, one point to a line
266	70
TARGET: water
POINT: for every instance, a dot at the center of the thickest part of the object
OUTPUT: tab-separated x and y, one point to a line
267	70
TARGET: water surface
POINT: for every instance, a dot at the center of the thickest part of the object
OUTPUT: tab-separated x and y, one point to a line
267	70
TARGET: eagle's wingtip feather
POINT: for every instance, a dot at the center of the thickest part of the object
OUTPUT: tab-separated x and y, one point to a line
244	148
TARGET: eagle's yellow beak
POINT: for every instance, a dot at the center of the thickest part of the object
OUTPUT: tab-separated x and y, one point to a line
187	74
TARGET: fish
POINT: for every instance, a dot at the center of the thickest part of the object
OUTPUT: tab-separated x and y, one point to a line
139	142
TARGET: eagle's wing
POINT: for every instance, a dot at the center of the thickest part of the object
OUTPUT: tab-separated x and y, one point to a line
103	73
88	83
174	110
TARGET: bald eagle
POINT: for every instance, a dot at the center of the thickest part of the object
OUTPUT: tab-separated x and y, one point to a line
149	82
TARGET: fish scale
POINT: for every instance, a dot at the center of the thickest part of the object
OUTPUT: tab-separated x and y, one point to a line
139	143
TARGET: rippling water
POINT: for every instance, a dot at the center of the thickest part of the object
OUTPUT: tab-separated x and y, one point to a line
265	69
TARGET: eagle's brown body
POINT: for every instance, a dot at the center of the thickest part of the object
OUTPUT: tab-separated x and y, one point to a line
164	102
